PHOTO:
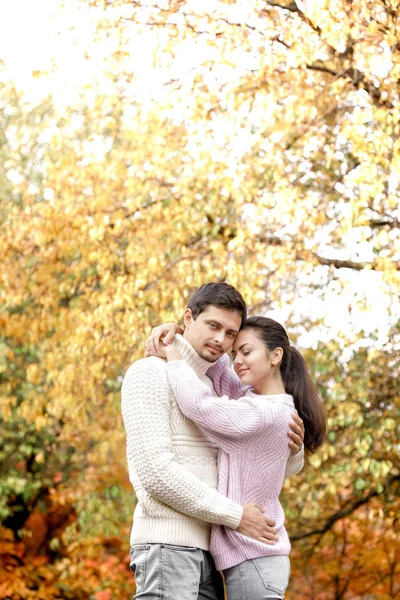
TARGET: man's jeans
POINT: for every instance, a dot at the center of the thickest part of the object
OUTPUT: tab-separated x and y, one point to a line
263	578
167	572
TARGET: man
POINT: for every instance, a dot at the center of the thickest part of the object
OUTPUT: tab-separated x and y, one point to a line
173	467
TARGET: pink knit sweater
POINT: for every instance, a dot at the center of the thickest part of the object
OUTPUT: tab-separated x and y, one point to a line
251	434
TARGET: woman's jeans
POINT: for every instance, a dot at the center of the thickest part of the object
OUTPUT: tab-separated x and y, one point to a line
263	578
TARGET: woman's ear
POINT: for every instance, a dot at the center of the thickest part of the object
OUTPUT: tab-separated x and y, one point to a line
276	356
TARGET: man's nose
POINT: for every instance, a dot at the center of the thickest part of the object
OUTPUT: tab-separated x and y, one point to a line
219	336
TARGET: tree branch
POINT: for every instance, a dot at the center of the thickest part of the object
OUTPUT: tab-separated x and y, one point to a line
323	70
290	7
349	264
388	222
345	512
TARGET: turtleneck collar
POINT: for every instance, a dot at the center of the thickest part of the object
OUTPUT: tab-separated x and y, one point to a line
190	355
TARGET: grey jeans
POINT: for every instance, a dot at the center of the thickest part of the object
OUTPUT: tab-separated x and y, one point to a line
167	572
263	578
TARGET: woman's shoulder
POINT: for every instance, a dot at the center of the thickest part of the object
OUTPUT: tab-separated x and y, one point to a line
271	403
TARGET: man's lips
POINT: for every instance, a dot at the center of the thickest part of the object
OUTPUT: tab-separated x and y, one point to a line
218	350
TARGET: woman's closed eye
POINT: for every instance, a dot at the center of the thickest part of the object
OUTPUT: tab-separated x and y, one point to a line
235	356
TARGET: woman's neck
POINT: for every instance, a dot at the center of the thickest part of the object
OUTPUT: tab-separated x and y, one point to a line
270	387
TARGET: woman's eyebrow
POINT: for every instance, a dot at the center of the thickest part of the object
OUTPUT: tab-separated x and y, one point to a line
243	345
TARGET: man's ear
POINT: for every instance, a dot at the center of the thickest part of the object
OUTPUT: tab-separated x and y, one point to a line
187	317
276	356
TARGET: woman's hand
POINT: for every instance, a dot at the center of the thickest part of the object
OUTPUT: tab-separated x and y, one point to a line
169	352
163	333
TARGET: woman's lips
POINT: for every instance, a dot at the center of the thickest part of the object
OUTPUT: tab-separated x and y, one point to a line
241	372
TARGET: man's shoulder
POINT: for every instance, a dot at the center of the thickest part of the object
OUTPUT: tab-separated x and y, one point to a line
146	366
147	375
145	385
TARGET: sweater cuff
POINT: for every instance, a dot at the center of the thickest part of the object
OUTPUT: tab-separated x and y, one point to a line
180	343
295	463
233	515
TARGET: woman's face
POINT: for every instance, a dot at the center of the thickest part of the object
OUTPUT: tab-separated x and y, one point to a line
251	359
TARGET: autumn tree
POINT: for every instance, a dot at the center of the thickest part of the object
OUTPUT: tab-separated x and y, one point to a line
272	163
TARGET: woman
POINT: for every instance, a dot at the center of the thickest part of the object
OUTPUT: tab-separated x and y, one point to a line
251	437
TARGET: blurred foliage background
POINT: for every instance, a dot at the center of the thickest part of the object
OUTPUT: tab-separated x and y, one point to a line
253	142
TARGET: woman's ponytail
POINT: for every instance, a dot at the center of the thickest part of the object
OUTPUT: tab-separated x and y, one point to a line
298	383
296	379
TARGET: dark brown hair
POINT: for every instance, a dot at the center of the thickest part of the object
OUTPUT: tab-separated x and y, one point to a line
296	379
218	294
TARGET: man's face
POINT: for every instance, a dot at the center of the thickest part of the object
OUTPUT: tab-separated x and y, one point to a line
213	332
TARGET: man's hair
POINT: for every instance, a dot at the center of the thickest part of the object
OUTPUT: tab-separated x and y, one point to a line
217	294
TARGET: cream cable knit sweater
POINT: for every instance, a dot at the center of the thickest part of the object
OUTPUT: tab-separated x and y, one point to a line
172	465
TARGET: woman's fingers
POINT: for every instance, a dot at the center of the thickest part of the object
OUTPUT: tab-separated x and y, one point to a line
165	332
150	345
168	338
153	341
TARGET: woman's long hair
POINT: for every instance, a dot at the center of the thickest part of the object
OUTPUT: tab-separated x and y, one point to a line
296	379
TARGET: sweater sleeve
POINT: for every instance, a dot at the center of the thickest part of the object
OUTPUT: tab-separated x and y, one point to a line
295	464
146	414
228	423
225	380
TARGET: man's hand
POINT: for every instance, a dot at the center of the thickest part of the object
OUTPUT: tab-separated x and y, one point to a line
296	434
255	525
164	333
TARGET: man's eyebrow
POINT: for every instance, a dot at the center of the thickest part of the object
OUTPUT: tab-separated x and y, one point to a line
220	325
233	330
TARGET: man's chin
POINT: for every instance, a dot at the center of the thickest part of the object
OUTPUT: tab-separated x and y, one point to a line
208	356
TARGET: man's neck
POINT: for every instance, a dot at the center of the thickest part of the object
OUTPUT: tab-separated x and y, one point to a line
190	355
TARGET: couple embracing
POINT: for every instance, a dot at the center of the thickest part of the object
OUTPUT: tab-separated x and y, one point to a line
208	448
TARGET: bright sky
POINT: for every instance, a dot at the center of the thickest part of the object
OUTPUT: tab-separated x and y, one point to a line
46	36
